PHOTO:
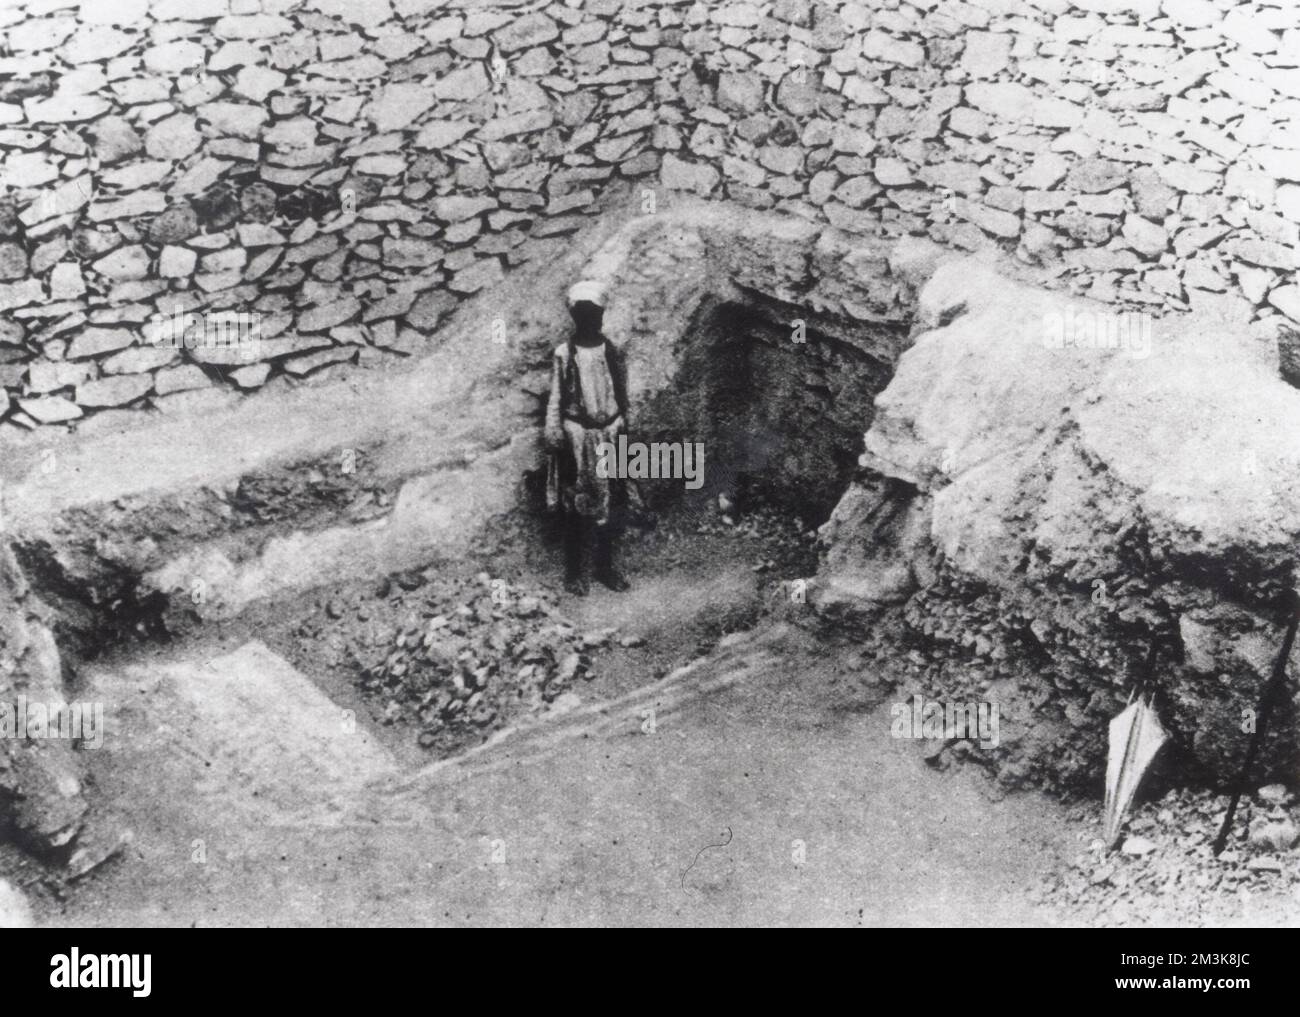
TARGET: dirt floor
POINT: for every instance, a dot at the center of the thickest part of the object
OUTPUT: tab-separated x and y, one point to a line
742	799
720	768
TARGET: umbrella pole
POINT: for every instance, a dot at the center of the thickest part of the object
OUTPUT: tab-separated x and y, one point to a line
1269	698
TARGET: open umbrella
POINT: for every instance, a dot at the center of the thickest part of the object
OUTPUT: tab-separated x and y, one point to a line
1136	735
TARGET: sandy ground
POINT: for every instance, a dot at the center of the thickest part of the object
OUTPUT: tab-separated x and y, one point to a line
704	778
758	785
749	803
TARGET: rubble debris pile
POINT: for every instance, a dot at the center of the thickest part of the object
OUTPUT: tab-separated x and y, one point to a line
468	655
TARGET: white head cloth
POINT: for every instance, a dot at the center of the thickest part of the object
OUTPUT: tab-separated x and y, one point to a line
589	290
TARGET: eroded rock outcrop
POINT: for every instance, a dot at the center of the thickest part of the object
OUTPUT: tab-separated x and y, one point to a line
1049	489
40	788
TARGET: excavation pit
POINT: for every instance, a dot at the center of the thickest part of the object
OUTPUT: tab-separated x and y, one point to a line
961	544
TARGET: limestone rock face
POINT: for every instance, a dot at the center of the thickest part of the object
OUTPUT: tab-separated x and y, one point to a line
15	913
1050	487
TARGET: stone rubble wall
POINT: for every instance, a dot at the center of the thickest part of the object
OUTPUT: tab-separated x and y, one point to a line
350	170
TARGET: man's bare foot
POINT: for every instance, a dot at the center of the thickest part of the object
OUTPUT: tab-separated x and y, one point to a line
576	585
614	580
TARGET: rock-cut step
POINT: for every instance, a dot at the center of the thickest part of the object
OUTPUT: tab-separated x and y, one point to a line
243	732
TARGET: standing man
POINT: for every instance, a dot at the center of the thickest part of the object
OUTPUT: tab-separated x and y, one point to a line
588	406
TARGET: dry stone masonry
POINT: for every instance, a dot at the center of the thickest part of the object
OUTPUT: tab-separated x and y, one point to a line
348	171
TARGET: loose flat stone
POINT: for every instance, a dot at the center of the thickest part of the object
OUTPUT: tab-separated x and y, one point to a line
991	220
237	118
853	140
115	391
45	376
304	365
95	341
66	282
623	75
527	122
174	57
256	83
137	204
1095	175
183	378
124	263
21	294
174	137
485	272
176	262
252	26
454	209
1144	236
13	138
114	139
397	106
13	261
522	33
893	172
317	319
392	306
138	359
65	109
258	234
1266	253
411	252
50	409
888	49
986	54
1188	179
463	84
856	192
382	165
442	133
137	174
740	92
251	376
